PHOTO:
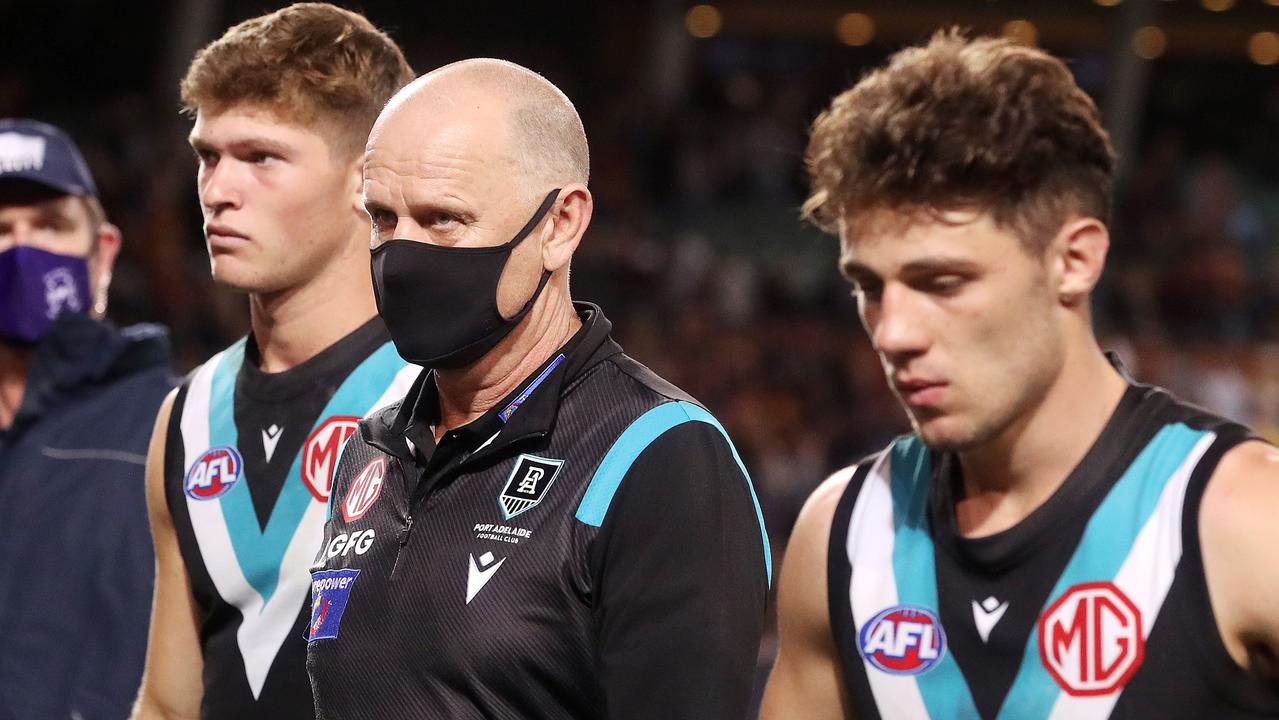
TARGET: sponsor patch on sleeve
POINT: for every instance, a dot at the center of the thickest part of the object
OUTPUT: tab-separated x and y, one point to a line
330	589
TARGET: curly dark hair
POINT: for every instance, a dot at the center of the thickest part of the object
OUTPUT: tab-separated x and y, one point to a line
982	124
310	63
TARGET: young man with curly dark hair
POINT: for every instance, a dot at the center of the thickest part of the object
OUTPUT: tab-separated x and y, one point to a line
1054	540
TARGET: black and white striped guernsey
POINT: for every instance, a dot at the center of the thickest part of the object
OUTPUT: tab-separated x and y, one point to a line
249	464
1095	606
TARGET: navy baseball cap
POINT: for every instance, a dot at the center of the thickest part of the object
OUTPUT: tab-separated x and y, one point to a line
41	153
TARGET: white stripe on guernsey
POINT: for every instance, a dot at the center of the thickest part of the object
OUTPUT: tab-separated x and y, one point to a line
874	586
211	534
265	629
1146	575
261	637
398	388
261	629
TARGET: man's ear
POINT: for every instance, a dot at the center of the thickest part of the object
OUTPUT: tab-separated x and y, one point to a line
355	187
105	249
569	218
1078	256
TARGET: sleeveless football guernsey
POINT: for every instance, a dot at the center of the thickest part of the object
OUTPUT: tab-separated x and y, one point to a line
249	463
1094	606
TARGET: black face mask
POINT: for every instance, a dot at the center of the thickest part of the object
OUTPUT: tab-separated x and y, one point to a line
440	303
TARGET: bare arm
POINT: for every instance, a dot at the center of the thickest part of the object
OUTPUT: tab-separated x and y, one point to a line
806	681
1238	532
172	687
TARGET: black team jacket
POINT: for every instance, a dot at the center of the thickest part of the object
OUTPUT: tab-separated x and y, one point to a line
589	548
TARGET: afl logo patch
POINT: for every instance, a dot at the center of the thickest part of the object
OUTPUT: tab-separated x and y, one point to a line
320	453
528	483
214	473
364	490
903	640
1091	639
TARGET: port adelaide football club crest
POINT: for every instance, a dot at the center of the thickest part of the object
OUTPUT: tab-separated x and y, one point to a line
531	478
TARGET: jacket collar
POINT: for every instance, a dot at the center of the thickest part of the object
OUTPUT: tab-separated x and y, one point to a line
529	411
79	351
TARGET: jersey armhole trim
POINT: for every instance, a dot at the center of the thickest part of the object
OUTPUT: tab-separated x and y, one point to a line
174	452
839	576
1200	621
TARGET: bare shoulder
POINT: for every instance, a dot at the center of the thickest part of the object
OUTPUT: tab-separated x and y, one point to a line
827	495
805	563
155	451
806	681
1244	489
1238	532
162	415
814	522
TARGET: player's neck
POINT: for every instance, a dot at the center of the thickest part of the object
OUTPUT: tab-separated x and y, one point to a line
294	325
15	363
1007	478
468	393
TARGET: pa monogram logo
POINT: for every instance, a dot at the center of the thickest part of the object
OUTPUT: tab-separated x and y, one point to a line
528	484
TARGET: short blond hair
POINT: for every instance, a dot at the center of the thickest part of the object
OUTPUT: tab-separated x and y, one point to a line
310	63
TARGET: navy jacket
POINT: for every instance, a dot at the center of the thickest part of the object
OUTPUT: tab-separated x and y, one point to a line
76	563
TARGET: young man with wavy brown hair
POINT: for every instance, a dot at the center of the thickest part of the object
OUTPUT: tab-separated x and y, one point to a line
242	455
1054	540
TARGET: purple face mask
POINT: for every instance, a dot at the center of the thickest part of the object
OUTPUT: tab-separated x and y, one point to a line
35	287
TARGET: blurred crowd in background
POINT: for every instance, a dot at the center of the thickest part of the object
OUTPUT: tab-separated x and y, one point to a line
697	119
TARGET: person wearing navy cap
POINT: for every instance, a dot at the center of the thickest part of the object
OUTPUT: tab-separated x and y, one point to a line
77	400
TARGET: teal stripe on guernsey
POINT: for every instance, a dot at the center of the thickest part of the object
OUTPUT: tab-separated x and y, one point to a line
260	551
628	446
1106	543
943	687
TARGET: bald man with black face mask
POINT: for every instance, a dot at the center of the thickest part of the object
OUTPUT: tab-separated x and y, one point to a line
543	528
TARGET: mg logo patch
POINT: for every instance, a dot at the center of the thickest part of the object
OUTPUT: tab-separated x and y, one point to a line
528	483
364	490
215	472
320	453
1091	639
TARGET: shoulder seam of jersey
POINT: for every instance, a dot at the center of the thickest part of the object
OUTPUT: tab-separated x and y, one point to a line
633	441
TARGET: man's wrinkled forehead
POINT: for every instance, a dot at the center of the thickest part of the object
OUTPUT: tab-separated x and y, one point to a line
272	123
868	231
430	104
862	225
418	139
